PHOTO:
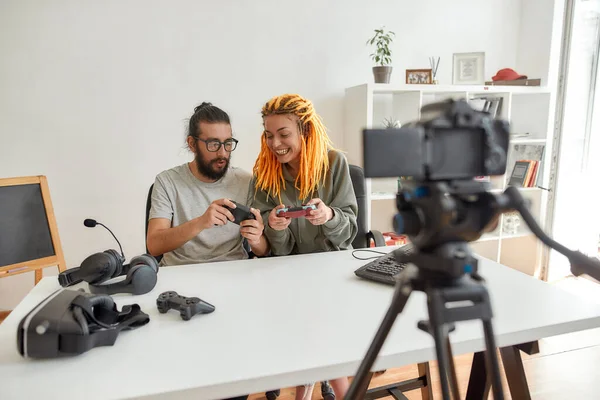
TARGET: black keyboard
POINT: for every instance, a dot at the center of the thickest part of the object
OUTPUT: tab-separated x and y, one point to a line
385	268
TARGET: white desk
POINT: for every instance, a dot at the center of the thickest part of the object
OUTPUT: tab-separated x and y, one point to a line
278	322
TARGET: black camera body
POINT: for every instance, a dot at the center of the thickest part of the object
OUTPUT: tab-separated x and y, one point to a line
442	152
71	322
451	141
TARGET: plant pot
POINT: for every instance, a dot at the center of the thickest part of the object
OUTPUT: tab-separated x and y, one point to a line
382	74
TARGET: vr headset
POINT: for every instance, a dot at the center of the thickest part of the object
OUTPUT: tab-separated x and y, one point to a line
140	273
70	322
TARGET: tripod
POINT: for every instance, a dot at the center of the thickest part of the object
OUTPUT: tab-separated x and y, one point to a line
431	277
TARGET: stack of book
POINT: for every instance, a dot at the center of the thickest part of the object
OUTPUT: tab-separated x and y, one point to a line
525	154
524	173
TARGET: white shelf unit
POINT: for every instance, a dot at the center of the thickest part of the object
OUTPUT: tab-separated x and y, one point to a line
528	110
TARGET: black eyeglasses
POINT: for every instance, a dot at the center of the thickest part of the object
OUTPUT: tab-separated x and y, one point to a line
214	145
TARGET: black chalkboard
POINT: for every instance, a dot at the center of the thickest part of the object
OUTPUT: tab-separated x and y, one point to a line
24	230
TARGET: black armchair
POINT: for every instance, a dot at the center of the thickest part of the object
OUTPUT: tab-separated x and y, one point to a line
364	238
148	205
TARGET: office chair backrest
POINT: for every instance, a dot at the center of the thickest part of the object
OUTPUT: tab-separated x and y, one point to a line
358	182
148	205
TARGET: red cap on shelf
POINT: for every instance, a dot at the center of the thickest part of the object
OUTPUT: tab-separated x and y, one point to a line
507	74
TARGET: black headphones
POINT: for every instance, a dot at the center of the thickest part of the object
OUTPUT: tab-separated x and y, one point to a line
141	273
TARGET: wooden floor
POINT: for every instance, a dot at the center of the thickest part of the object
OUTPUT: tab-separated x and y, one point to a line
565	368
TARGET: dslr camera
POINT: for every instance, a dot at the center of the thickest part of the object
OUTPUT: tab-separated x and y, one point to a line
442	152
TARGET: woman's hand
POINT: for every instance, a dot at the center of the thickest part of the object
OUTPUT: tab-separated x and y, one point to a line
252	229
321	215
278	223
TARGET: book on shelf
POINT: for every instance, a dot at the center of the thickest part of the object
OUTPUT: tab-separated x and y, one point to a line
528	152
524	173
516	82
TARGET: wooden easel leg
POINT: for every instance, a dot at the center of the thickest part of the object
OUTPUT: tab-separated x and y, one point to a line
39	274
3	315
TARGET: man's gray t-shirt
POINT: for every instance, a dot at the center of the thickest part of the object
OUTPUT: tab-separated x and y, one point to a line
180	197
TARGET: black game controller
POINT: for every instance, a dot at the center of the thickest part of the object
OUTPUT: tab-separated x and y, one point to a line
240	212
187	306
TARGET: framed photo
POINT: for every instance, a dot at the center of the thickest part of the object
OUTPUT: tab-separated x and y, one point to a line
468	68
419	76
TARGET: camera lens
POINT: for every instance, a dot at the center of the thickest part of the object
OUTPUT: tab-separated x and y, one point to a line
407	222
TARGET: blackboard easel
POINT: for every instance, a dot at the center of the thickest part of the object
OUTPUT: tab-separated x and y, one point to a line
29	239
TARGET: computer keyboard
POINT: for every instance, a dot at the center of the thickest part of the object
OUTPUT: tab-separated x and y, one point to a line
385	268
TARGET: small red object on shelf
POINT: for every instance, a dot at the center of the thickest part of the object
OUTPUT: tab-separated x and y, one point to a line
393	239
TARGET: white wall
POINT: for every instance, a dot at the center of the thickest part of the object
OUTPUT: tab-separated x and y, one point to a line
536	39
95	95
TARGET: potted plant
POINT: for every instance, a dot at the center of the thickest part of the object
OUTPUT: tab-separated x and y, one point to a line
382	55
391	123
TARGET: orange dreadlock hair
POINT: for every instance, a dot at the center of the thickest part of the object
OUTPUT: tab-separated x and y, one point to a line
314	162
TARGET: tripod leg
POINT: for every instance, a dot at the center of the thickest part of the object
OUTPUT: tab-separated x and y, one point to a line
491	358
452	370
440	336
360	382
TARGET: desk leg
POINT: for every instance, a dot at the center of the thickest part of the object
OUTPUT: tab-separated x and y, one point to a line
425	375
396	390
479	383
515	373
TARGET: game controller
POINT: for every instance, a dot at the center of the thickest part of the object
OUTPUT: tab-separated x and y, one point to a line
295	212
187	306
240	212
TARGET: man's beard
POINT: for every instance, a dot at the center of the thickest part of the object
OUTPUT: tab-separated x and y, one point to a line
208	169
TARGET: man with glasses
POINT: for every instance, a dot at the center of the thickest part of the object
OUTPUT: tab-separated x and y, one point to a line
188	220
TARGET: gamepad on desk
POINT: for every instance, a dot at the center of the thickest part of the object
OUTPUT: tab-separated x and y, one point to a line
187	306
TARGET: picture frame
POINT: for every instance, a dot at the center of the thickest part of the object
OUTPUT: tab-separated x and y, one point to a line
419	76
468	68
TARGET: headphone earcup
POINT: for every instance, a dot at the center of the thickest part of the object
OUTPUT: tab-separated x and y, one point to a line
145	259
118	261
98	267
142	279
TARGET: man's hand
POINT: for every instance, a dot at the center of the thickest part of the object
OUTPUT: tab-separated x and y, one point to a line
252	229
321	215
278	223
216	214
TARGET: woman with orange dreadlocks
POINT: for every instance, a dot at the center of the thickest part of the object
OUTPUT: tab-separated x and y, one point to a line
296	166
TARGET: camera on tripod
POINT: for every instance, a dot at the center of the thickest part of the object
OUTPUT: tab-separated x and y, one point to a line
451	141
442	152
441	209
